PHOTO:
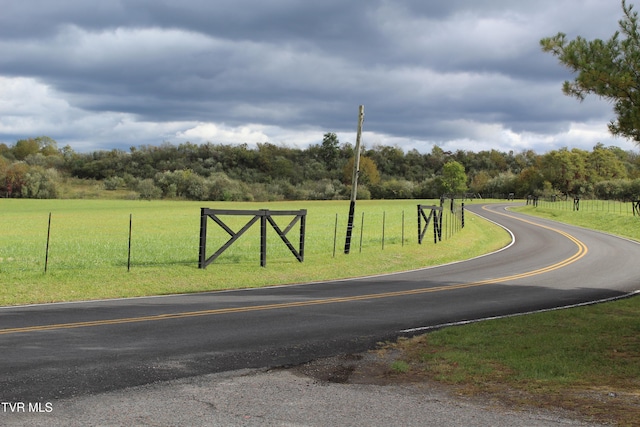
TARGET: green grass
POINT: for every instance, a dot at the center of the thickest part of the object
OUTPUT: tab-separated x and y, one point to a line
400	367
88	249
587	345
583	359
616	220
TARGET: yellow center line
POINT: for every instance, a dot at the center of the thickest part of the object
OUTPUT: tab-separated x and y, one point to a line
582	251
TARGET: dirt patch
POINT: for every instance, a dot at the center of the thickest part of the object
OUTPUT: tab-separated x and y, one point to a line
373	367
376	367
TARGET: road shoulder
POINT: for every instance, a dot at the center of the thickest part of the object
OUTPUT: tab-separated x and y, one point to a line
348	390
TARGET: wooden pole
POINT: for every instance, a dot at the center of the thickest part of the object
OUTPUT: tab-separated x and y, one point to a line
354	186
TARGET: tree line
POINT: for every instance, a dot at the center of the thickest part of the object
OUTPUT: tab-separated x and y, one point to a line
36	167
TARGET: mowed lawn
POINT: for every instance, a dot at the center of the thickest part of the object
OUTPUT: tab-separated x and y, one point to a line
124	248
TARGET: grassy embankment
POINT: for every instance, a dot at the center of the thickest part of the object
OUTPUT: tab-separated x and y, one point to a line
583	359
88	249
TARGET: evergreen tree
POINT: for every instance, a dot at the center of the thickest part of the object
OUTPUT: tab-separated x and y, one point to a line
608	69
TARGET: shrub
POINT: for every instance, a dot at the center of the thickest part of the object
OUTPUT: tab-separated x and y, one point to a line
113	183
40	183
148	190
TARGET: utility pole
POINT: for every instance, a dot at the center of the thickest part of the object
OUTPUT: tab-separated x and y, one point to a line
354	182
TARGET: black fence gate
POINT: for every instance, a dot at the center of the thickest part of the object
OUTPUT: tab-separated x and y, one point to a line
265	216
435	214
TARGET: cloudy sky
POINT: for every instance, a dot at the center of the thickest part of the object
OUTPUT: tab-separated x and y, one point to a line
461	74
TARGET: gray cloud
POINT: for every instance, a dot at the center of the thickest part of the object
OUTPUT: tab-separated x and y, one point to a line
116	74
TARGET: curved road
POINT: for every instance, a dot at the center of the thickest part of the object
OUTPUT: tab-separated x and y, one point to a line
62	350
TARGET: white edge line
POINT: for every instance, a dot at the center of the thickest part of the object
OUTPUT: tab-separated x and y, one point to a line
506	316
97	301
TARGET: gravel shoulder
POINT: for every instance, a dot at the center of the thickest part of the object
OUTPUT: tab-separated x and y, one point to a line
348	390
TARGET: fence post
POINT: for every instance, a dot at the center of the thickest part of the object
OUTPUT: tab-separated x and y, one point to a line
263	237
439	224
361	231
335	235
203	239
46	256
129	254
384	217
303	226
419	227
403	227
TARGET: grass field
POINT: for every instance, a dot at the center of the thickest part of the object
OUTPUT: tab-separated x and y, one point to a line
583	359
89	247
611	217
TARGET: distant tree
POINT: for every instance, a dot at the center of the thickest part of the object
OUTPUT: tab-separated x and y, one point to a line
389	160
15	178
346	151
330	150
454	178
40	183
501	185
4	165
566	170
416	168
437	158
479	182
25	147
524	160
369	174
608	69
4	150
605	164
42	144
530	182
48	146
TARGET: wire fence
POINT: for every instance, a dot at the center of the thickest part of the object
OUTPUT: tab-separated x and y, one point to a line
590	205
73	241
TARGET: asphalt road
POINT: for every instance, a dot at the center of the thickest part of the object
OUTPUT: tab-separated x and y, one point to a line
55	351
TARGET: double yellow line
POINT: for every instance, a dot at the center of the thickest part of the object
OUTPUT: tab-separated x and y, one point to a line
582	250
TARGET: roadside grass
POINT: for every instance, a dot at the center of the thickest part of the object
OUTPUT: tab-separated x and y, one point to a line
585	359
616	221
88	250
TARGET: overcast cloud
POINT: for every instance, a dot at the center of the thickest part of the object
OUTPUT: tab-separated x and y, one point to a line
462	74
